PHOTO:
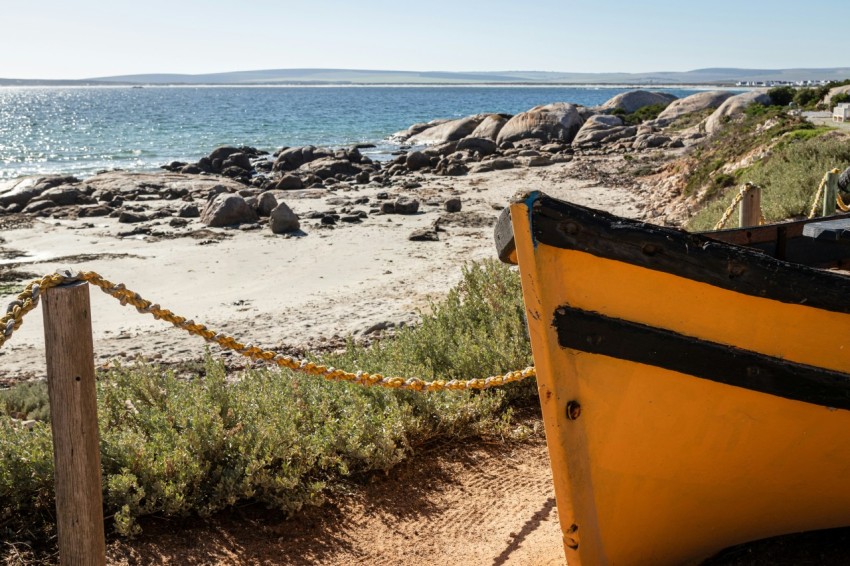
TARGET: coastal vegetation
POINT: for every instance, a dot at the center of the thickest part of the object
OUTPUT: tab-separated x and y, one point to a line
809	98
783	153
643	114
184	443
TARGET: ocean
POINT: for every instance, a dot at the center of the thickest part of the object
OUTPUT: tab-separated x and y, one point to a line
82	130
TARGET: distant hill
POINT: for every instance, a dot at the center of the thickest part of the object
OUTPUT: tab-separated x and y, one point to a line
359	76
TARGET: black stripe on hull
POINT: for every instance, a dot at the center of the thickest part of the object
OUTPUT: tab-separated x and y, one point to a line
692	256
595	333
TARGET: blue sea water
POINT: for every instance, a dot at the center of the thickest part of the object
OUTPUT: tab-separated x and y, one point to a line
81	130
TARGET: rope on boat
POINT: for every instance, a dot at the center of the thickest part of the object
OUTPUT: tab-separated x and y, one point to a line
28	299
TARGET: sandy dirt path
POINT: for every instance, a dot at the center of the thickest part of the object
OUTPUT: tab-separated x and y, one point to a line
470	504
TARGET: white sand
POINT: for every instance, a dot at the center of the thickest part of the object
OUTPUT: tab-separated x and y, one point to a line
275	291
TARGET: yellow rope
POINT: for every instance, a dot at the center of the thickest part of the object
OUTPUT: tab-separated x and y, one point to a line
820	192
841	204
735	202
28	300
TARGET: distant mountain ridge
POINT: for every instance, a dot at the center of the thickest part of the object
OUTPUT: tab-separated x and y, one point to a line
708	76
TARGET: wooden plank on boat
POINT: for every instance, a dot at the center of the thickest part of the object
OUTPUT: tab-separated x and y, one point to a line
595	333
830	230
692	256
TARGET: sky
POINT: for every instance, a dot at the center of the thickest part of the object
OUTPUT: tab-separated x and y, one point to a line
62	39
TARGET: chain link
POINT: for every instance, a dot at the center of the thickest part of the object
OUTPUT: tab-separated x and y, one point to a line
29	297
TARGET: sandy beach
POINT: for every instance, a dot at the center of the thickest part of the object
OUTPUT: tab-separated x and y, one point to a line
288	292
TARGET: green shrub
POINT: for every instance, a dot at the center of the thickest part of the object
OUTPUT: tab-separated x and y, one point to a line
759	125
789	177
27	400
479	328
838	99
640	115
178	447
756	110
807	97
781	95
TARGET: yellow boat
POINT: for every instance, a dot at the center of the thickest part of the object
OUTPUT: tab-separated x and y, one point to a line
695	393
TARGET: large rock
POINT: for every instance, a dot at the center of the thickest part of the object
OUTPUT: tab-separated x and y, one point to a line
415	129
290	183
267	202
66	195
483	146
558	121
734	105
227	209
326	167
449	131
22	190
416	160
406	205
283	220
690	104
634	100
239	160
490	126
122	182
294	157
602	128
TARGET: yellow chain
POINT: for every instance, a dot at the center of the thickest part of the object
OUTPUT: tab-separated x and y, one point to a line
28	300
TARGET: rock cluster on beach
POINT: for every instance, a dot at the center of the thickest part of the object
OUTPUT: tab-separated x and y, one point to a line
248	188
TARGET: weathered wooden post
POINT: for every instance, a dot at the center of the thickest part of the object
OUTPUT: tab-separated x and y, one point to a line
749	213
830	194
73	417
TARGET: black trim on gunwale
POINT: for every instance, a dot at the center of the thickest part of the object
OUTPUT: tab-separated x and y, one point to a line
693	256
595	333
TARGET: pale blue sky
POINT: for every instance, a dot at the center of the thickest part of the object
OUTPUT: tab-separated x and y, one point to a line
75	39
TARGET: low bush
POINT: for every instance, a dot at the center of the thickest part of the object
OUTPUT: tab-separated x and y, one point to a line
781	95
179	447
640	115
734	140
838	99
789	176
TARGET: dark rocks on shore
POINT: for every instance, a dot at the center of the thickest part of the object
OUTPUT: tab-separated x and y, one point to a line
283	220
189	211
450	131
424	235
559	121
634	100
227	209
405	205
600	129
453	205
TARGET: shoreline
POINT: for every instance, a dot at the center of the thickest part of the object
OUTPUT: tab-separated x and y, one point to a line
231	280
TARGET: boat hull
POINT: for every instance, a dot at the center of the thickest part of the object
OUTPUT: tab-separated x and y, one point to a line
692	400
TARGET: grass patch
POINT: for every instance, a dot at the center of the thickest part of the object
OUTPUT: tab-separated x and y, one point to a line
789	177
690	119
756	128
182	447
640	115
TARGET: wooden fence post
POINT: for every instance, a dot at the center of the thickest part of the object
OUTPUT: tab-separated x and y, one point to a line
73	417
830	194
749	213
